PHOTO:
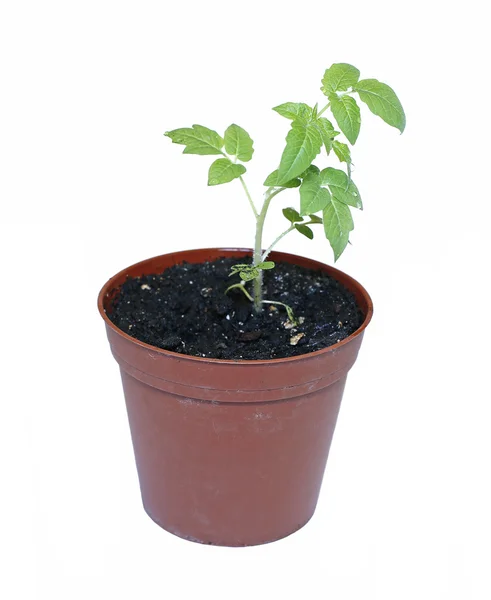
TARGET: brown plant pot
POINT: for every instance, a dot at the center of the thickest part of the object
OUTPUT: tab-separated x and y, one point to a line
228	452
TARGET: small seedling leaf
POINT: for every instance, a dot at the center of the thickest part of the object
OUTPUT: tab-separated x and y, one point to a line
382	101
197	139
313	197
342	151
303	144
312	169
224	170
238	143
295	110
338	223
292	215
327	131
272	181
249	275
347	114
339	77
304	230
269	264
342	188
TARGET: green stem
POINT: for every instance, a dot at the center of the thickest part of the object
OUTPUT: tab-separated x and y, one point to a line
324	109
254	210
242	289
258	246
280	237
246	190
288	309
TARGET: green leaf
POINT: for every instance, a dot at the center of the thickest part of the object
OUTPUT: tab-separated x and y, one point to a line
327	131
342	151
236	268
338	222
306	231
382	101
312	169
339	77
238	143
224	170
347	114
292	215
313	197
342	188
272	181
269	264
303	144
315	219
249	275
198	140
294	111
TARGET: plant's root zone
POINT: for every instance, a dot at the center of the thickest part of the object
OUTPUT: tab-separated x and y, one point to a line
185	309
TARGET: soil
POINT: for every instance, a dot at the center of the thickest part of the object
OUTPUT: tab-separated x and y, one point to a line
185	310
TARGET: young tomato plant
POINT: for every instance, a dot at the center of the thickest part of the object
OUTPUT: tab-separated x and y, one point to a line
327	195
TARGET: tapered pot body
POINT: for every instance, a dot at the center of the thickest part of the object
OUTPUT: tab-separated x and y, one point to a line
230	453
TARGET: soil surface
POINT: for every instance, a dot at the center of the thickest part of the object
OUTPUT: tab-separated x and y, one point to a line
184	309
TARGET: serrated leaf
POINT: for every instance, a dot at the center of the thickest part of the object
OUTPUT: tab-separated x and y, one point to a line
313	197
238	143
292	215
327	131
272	181
269	264
224	170
306	231
303	144
342	188
198	140
347	114
249	275
294	111
382	101
339	77
338	223
342	151
236	268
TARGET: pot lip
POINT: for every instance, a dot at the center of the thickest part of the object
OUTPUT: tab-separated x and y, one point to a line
109	285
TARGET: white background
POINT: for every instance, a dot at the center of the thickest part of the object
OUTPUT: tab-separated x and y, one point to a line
89	185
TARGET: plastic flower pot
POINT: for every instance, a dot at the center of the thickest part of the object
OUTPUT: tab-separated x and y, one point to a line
231	452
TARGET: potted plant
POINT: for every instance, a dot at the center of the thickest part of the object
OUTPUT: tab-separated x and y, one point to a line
234	360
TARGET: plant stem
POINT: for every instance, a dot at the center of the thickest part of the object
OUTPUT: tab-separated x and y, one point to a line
324	109
281	236
246	190
254	210
258	246
242	288
288	309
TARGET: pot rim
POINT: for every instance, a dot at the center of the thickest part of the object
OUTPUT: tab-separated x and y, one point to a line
109	286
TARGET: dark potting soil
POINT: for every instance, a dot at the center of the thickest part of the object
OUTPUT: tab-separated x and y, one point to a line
185	309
